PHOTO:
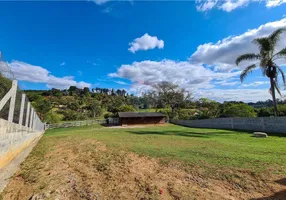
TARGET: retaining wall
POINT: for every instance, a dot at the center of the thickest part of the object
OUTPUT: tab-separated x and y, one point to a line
264	124
13	139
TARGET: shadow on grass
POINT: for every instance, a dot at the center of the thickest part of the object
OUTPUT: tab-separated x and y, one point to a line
281	195
180	133
277	196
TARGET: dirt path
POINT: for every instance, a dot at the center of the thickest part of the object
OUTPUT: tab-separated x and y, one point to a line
66	169
7	172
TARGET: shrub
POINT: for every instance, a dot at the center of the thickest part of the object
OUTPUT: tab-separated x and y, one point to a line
52	117
238	110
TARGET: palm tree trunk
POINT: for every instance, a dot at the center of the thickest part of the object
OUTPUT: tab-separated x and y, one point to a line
273	96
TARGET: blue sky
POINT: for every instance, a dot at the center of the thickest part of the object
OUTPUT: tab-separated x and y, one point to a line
134	45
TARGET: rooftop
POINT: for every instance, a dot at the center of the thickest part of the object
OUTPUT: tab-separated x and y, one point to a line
140	114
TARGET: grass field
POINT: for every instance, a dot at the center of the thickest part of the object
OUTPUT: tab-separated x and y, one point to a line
242	165
220	148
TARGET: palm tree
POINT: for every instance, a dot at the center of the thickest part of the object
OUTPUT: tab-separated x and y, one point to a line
266	57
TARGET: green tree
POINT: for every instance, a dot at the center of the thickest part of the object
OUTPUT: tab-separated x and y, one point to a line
86	91
265	112
169	94
5	85
282	110
238	110
52	117
42	106
95	108
266	57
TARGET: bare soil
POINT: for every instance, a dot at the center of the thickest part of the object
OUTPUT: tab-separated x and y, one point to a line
68	169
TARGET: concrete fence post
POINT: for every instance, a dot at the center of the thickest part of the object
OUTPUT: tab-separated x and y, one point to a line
27	114
22	109
34	120
12	101
31	118
232	125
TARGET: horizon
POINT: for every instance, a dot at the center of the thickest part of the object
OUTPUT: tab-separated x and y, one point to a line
133	45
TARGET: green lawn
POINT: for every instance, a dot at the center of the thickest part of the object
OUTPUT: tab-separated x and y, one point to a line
207	148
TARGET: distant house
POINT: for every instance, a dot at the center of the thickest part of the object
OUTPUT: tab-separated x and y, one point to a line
141	118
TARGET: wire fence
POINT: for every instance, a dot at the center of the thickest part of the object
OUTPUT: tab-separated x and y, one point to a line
15	107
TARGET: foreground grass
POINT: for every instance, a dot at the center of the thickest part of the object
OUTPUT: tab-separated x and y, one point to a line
209	148
95	162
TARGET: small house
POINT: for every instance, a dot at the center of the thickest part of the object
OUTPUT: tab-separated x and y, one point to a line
141	118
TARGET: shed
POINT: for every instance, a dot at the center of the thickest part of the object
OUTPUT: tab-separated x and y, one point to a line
140	118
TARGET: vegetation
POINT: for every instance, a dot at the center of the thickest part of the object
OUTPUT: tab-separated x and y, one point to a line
80	104
267	57
168	94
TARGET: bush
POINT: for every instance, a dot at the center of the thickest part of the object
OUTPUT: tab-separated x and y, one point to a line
282	110
265	112
108	115
239	110
52	117
70	115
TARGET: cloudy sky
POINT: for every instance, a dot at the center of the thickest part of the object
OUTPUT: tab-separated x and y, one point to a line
136	44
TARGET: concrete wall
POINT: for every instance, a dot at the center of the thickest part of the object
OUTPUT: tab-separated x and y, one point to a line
265	124
13	139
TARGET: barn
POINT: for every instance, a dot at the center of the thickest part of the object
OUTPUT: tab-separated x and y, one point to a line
140	118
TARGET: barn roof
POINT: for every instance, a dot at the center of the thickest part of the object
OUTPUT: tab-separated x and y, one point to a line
140	114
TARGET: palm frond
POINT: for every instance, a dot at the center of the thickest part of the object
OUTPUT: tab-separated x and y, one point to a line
264	44
282	74
281	53
246	71
275	36
247	56
277	88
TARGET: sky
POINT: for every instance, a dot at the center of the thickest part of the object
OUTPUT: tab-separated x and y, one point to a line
133	45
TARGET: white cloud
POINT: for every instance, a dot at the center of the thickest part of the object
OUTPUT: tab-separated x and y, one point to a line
37	74
255	84
201	81
185	74
227	82
100	2
207	5
274	3
222	55
246	95
121	82
63	64
145	42
230	5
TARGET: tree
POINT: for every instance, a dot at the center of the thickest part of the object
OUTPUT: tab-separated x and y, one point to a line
42	106
52	117
86	91
170	94
72	90
238	110
95	108
266	57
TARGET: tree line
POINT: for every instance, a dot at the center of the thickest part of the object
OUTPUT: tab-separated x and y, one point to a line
79	104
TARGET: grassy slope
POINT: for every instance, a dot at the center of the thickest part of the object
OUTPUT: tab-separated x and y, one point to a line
208	148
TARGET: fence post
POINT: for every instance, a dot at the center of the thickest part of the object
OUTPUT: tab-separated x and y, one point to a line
31	118
22	109
12	101
27	115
